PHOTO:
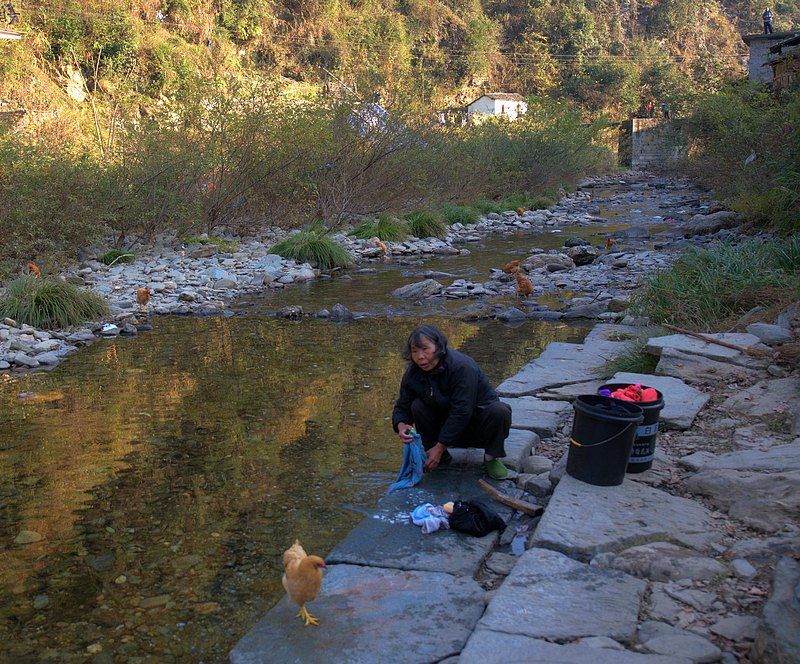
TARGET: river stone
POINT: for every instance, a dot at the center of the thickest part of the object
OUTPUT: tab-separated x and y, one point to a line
582	520
550	596
706	224
519	445
707	349
27	537
768	398
340	313
662	561
681	401
693	647
763	501
419	290
772	335
778	636
736	628
543	417
486	646
563	363
23	360
535	465
369	615
81	337
696	368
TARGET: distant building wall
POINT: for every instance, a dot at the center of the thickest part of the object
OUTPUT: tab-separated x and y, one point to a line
759	45
651	143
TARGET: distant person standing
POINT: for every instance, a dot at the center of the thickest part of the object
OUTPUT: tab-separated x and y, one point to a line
648	108
665	110
767	16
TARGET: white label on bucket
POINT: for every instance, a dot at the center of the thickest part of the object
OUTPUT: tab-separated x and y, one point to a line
641	459
647	430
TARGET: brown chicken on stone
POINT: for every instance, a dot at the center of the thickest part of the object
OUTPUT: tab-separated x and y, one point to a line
524	286
302	578
511	267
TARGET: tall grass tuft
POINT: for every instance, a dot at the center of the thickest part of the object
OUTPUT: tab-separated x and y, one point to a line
46	303
527	201
633	359
461	214
424	223
708	289
309	246
487	205
386	228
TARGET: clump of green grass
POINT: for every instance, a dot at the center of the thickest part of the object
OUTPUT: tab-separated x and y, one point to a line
47	303
225	246
116	256
386	228
708	289
632	359
461	214
309	246
424	223
526	201
486	205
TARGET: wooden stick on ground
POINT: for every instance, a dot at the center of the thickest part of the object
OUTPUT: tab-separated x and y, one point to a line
520	505
749	351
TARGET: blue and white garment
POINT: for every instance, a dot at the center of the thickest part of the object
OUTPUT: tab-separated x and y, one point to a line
430	517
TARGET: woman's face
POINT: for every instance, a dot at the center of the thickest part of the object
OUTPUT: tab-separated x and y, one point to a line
424	355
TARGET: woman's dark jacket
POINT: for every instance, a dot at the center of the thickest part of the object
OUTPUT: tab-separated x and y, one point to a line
457	387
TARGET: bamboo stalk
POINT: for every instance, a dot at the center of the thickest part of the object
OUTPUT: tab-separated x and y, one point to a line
520	505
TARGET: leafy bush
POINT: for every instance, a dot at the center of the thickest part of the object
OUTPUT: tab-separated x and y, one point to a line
461	214
710	288
424	224
46	303
116	256
486	205
309	246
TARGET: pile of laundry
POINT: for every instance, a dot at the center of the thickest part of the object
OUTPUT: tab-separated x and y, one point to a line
631	393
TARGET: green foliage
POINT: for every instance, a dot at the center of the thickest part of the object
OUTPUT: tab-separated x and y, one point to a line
705	289
116	256
46	303
461	214
741	121
527	201
424	223
309	246
633	359
386	228
486	205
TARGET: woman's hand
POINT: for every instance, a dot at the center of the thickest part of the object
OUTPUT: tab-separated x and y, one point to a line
434	457
402	431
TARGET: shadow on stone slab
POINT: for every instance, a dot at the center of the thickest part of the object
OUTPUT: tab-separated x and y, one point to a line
389	539
369	615
538	415
486	646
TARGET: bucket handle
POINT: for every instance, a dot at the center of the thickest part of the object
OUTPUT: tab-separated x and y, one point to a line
607	440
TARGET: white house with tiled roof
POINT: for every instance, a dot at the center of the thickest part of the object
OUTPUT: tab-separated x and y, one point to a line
508	104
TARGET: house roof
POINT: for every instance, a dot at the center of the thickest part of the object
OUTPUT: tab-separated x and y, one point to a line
772	37
794	40
505	96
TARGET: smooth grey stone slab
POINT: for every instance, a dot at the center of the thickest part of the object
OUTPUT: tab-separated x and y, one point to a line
768	399
583	520
681	401
388	538
778	636
369	615
543	417
695	368
550	596
687	344
488	647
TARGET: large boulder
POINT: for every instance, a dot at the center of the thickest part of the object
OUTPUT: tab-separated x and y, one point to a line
419	290
705	224
778	638
550	262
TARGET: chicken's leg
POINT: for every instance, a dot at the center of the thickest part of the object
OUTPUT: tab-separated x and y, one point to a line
305	615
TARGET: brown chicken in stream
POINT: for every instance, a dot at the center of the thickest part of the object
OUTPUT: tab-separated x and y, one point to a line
302	578
524	286
511	267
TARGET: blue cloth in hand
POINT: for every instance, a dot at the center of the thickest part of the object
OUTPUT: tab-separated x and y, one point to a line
413	461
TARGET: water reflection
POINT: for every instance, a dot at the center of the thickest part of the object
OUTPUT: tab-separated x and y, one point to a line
166	474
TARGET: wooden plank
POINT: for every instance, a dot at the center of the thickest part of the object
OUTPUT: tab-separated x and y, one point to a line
523	506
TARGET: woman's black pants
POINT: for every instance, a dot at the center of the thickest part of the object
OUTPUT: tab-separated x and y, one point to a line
488	428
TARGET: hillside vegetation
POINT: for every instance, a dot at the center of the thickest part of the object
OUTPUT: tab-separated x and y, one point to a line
190	115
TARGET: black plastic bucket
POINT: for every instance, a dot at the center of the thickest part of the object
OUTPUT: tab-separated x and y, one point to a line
644	445
602	436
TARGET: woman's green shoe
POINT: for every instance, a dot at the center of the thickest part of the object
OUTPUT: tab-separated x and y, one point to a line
496	469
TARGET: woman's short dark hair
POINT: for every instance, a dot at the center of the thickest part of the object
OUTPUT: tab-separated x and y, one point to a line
434	334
